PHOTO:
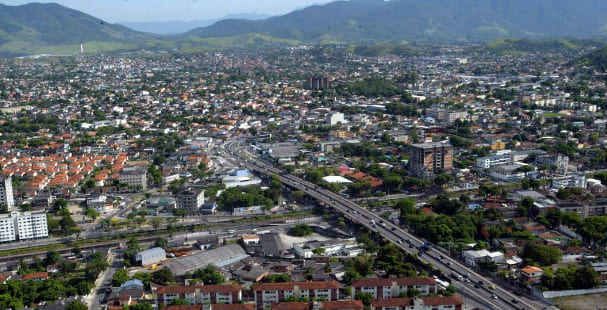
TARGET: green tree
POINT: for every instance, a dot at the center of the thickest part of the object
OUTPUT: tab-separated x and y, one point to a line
301	230
91	213
161	243
120	276
163	276
209	275
544	255
76	305
52	257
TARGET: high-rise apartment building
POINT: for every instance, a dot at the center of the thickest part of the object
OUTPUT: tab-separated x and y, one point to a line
6	192
427	158
24	226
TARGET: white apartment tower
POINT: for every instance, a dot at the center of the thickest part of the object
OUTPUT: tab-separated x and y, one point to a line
26	226
6	192
7	228
32	226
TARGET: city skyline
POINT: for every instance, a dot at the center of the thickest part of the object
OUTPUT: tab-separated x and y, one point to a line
119	11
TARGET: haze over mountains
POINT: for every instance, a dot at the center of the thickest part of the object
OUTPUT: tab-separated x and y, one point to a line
177	26
53	28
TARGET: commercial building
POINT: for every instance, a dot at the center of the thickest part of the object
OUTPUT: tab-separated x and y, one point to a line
219	257
150	256
448	117
6	192
335	118
24	226
240	178
419	303
572	180
267	294
190	200
393	287
134	176
200	294
494	160
426	158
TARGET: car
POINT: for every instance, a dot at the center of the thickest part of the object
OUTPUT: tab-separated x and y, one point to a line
492	286
400	241
467	280
476	285
493	296
480	282
515	301
440	256
410	245
393	228
449	263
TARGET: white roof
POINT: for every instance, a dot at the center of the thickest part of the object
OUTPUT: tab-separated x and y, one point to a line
335	179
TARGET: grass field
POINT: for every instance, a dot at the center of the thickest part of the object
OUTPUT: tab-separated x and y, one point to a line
582	302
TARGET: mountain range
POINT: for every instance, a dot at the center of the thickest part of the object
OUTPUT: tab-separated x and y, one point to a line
51	28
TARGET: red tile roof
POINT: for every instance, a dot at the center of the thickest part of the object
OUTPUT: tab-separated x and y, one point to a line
183	289
371	282
35	276
342	304
429	301
301	285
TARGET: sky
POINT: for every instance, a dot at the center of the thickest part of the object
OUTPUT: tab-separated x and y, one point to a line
114	11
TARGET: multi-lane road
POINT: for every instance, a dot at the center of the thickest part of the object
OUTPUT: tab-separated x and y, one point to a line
482	290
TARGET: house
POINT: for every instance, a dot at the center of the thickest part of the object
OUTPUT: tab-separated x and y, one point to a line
474	257
200	294
268	293
393	287
36	276
250	239
419	303
531	274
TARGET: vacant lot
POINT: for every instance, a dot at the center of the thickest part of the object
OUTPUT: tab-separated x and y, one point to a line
583	302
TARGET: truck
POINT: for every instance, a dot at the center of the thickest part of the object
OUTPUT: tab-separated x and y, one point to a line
457	276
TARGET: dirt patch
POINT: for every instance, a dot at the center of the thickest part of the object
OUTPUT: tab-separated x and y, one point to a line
582	302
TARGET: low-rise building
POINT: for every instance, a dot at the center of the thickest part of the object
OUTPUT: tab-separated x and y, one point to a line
267	294
200	294
419	303
240	178
190	200
150	256
320	305
474	257
393	287
531	274
134	176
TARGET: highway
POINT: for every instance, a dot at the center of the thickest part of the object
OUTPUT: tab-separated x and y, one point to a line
498	298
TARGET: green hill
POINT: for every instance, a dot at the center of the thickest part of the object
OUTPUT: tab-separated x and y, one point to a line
596	59
511	45
33	27
427	20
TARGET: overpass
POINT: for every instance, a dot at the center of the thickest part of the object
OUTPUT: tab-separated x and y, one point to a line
498	298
